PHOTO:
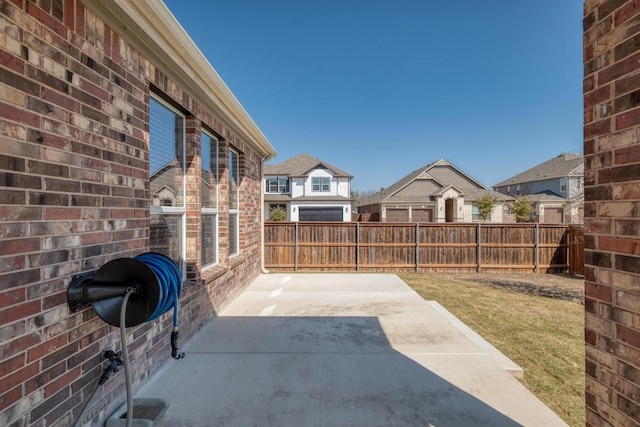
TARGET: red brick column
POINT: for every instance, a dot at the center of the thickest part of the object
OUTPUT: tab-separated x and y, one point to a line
612	210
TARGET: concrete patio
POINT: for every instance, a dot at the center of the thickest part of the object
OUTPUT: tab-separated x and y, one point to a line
341	350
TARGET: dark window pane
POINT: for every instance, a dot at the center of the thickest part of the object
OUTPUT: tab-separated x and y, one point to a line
166	159
234	180
165	235
233	234
209	173
208	237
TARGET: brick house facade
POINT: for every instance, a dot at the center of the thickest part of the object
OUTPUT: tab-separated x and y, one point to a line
612	211
77	79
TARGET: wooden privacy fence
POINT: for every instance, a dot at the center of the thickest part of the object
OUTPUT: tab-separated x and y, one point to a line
576	249
403	247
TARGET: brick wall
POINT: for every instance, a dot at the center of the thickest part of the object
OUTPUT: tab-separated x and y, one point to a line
74	194
612	211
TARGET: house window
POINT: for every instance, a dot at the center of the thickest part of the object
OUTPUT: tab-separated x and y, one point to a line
506	209
518	190
167	180
321	183
277	185
475	213
509	189
234	201
209	199
563	185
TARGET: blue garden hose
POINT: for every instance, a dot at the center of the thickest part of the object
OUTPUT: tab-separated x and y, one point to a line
170	287
169	281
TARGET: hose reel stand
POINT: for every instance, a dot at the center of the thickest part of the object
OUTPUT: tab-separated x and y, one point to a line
135	290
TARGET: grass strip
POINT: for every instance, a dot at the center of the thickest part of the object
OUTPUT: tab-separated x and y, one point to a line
544	336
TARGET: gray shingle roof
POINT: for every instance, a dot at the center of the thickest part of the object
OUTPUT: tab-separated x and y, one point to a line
300	165
474	195
443	174
566	164
546	197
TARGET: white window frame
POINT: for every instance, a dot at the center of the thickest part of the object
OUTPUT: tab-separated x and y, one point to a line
319	186
235	211
208	211
280	183
172	210
475	212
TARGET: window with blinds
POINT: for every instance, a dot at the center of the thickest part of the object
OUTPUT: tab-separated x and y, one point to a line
167	180
209	198
234	202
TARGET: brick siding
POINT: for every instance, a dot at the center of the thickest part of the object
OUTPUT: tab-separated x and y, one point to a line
74	194
612	211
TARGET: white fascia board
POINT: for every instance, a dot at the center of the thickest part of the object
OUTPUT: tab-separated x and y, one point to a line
151	28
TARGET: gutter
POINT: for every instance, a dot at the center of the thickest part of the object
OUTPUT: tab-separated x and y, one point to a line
262	267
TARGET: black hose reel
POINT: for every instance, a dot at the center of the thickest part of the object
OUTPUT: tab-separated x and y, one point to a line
105	291
154	278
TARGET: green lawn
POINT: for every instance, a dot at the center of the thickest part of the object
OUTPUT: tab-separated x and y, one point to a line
544	336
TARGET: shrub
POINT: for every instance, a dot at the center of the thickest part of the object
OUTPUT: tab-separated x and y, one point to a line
522	209
485	206
277	213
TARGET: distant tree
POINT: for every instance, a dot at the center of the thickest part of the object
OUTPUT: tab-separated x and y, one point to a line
359	195
277	213
522	209
485	206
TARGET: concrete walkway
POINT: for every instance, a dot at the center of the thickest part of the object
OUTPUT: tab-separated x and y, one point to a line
341	350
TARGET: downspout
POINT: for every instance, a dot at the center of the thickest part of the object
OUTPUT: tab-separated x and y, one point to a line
262	160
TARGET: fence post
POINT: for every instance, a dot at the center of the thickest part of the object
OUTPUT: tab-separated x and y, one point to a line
537	247
295	251
417	247
357	246
479	248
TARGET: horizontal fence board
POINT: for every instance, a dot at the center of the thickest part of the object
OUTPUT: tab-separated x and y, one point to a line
448	245
351	246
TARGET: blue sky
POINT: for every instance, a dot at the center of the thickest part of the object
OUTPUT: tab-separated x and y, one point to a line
380	88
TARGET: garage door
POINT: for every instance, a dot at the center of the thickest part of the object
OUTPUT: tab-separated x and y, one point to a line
397	215
421	215
320	214
553	215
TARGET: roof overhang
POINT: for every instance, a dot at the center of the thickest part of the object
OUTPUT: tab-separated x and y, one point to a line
151	28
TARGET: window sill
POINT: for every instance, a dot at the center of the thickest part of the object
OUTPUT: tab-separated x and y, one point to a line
235	260
213	272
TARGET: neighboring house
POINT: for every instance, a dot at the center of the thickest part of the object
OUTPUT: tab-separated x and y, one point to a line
308	189
117	137
555	188
437	192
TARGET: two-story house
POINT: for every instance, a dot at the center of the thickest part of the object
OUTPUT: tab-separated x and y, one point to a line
555	188
307	189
